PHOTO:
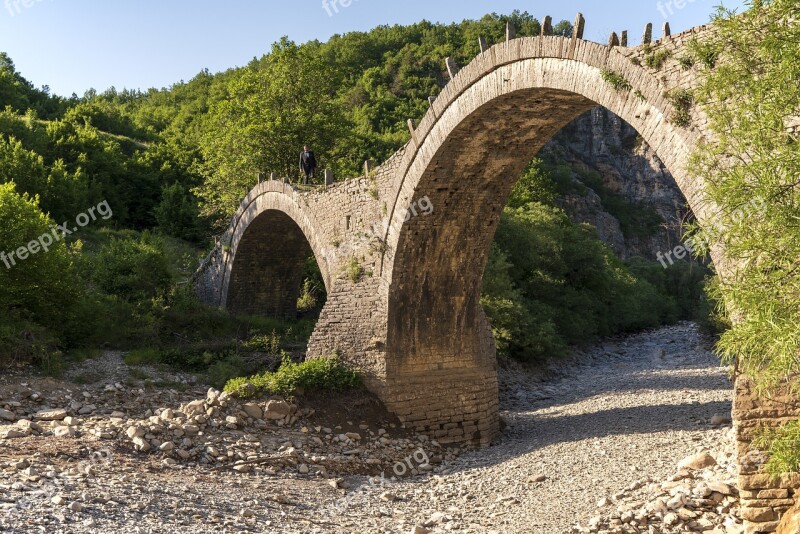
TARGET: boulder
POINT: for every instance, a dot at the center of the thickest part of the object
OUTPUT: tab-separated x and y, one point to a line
697	461
277	409
253	410
790	522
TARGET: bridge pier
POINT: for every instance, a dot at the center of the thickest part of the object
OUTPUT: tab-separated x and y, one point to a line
450	406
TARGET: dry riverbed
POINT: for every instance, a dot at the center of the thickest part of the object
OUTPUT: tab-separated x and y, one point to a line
592	444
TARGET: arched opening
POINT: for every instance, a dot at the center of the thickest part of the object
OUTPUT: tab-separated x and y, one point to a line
435	318
275	273
440	350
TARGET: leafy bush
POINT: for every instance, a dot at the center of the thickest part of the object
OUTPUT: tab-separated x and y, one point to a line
177	214
222	371
270	344
682	101
308	299
704	52
135	270
655	59
783	447
321	374
354	270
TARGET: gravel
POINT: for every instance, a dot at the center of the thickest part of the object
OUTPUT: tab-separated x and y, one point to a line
607	425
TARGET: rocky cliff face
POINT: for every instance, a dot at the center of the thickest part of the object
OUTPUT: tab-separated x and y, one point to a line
608	156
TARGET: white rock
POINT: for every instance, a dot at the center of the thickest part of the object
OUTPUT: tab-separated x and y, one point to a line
136	431
65	432
51	415
697	461
141	444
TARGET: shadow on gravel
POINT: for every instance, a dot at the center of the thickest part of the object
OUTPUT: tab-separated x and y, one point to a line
537	431
538	397
554	428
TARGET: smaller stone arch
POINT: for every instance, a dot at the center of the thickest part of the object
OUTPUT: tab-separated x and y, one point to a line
257	267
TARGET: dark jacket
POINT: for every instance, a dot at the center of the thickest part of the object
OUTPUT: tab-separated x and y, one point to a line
308	163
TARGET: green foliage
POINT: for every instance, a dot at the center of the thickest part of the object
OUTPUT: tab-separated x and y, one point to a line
177	214
682	101
354	270
782	446
756	162
655	58
269	343
616	80
321	374
223	371
563	28
274	107
705	52
37	292
535	185
131	269
308	299
686	62
550	283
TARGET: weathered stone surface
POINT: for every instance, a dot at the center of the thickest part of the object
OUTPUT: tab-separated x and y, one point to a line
51	415
790	522
277	409
697	461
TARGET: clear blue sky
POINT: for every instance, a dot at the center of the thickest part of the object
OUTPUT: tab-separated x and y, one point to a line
72	45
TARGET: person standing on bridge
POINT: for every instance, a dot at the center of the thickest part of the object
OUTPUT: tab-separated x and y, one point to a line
308	164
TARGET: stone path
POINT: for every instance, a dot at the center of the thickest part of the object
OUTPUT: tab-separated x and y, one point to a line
621	416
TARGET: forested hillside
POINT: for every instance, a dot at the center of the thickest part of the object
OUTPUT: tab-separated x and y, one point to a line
173	163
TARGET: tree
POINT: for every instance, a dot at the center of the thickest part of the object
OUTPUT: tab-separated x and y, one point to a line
38	286
751	95
563	28
177	214
274	107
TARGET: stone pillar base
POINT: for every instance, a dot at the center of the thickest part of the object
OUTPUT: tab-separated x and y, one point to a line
450	406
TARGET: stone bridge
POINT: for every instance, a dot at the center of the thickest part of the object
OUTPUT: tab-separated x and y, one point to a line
403	248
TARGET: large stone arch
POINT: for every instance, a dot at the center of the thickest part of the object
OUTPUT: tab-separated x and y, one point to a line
464	158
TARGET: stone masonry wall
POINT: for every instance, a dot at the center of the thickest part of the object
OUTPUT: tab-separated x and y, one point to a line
763	498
